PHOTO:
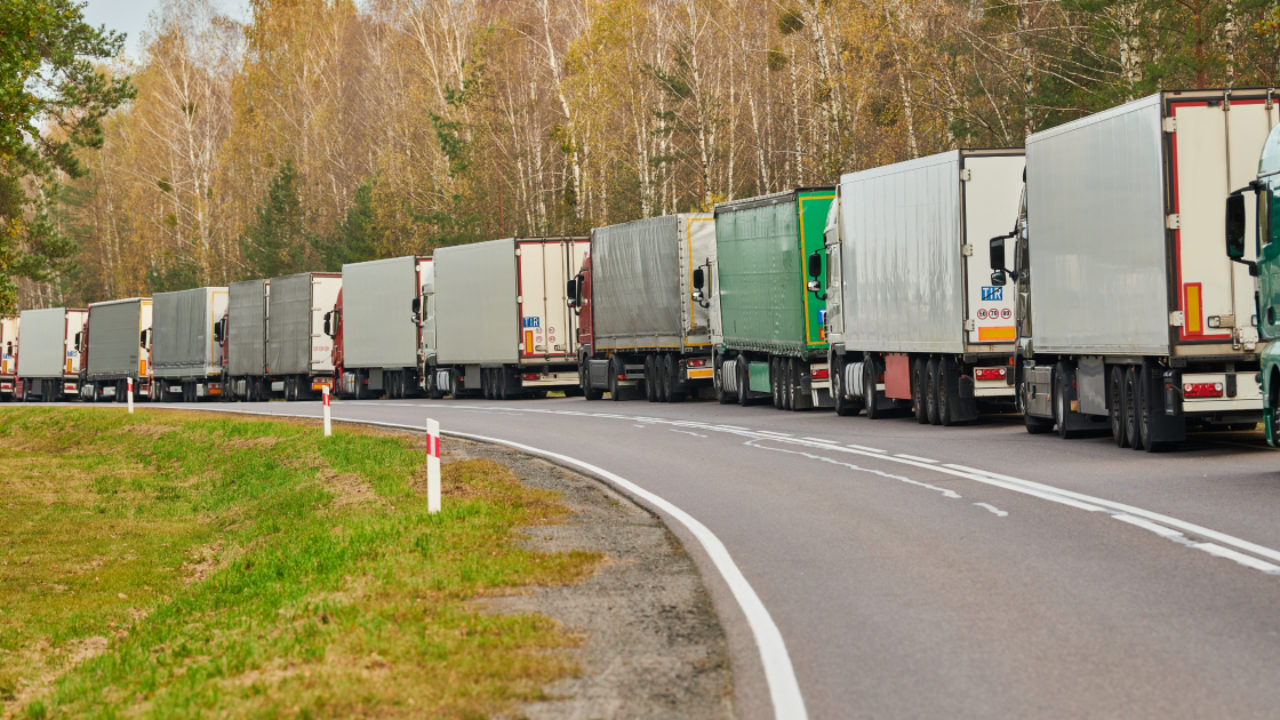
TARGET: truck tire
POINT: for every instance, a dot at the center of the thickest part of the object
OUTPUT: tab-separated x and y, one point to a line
918	402
1061	408
844	406
650	379
717	379
674	393
584	381
663	374
1148	427
1131	408
931	391
740	369
775	383
788	384
1115	406
615	389
869	375
945	384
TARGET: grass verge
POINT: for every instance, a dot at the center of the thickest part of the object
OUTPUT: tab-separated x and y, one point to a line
184	565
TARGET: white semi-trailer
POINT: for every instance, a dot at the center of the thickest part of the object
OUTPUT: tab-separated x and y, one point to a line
1130	315
912	320
186	354
49	359
299	353
496	320
375	327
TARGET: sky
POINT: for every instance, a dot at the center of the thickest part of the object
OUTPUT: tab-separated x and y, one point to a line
130	16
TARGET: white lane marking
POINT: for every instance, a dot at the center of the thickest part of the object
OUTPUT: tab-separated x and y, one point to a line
773	433
945	492
820	440
864	448
687	432
784	689
917	458
993	509
1211	548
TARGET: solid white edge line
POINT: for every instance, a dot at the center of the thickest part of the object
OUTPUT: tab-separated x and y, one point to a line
784	688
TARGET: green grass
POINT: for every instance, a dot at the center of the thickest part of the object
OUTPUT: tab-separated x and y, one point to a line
185	565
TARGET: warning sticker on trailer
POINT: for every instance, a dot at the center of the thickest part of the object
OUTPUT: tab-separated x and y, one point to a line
533	321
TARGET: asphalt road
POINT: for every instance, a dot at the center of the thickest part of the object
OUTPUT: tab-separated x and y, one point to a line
989	573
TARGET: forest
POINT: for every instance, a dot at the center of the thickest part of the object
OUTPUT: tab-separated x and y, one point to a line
330	131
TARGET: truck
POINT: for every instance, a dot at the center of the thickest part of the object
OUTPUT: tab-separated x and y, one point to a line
299	354
1130	318
376	329
1261	258
186	354
8	358
639	322
496	321
911	319
770	342
49	359
117	347
244	337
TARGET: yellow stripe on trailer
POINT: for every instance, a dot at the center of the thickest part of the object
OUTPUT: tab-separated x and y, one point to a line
1193	317
700	374
997	334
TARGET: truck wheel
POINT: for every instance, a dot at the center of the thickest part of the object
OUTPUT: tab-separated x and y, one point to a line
674	393
662	373
775	383
615	388
740	369
1115	407
793	384
844	407
1146	420
1131	430
717	380
869	375
1061	408
947	393
584	382
650	379
918	402
931	390
486	384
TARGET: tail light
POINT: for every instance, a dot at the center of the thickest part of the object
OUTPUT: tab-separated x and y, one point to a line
822	374
1202	390
990	373
530	376
696	363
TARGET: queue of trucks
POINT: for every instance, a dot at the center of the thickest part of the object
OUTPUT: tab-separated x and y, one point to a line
899	291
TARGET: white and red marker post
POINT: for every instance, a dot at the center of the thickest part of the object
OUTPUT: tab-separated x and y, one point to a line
328	423
129	390
433	466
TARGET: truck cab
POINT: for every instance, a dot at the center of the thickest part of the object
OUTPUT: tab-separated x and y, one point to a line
1266	268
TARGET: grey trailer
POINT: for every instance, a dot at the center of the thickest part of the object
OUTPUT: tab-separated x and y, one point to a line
913	320
378	327
186	355
117	349
1131	318
246	340
643	320
51	369
499	316
299	353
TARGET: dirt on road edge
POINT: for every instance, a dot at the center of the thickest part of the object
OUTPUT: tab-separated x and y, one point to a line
653	644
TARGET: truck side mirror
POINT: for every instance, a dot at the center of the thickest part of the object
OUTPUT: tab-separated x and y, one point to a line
142	339
571	290
999	278
997	254
328	324
1235	225
416	305
699	278
815	265
218	332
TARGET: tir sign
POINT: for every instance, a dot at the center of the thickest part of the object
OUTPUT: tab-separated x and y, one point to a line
991	293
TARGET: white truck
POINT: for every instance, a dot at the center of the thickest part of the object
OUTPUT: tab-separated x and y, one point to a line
49	359
375	327
8	357
496	320
1130	316
186	352
911	319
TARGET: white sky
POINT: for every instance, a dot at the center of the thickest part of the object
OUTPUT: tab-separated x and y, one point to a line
130	16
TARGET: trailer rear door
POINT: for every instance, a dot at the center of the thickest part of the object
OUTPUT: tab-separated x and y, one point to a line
992	188
1214	148
547	328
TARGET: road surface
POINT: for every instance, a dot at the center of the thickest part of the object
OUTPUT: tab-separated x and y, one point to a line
966	572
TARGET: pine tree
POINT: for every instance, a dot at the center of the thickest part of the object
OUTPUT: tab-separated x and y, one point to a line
276	243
